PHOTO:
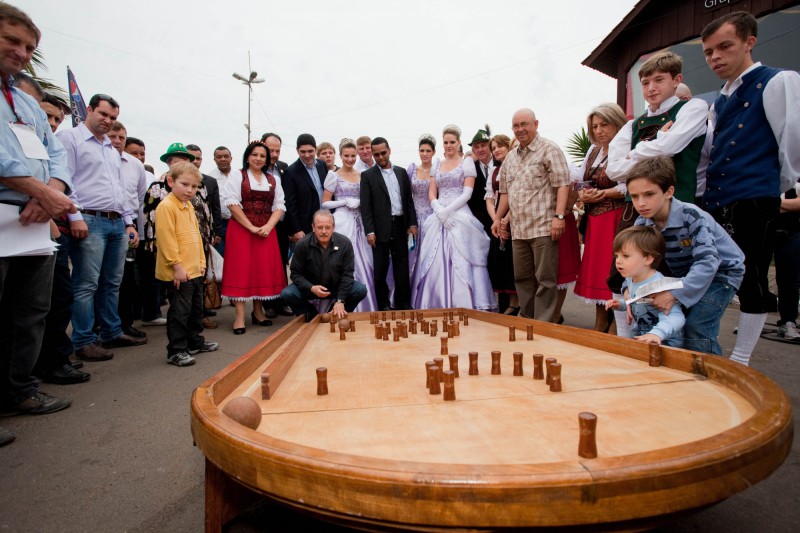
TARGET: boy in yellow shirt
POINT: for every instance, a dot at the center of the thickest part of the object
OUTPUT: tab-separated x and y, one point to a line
180	260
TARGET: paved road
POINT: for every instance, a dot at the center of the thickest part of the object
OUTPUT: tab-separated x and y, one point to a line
121	458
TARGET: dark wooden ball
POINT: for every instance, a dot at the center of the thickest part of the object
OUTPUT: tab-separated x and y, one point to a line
244	410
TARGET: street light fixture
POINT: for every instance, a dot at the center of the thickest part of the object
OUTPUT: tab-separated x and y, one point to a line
249	81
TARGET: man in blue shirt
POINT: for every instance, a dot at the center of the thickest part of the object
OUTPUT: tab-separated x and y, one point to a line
101	233
34	183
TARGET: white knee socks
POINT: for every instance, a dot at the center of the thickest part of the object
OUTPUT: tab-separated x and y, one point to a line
750	326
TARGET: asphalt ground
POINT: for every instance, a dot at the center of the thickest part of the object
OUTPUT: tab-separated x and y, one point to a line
121	457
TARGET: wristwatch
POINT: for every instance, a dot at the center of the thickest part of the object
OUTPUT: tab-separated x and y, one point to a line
340	302
559	217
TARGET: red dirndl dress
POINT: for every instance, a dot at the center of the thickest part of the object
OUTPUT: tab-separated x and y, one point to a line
253	269
598	249
569	253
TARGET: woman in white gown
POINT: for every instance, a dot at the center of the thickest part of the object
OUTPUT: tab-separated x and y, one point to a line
451	268
342	193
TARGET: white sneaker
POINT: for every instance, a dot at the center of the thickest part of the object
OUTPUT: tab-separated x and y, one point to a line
181	359
155	322
788	330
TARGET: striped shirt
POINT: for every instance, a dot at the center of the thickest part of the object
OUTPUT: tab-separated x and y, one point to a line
531	177
698	250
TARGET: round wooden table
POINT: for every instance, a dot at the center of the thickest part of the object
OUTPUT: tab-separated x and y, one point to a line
380	452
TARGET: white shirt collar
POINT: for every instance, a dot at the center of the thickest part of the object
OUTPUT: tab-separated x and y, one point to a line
730	87
665	106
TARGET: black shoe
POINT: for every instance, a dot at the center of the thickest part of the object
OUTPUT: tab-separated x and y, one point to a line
270	312
6	437
209	312
123	341
239	331
284	311
257	322
38	403
77	365
66	375
133	332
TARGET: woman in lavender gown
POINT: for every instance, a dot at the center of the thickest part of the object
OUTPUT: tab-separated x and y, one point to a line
451	267
420	177
345	186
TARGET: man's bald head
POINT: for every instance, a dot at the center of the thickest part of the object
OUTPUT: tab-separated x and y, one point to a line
524	125
683	92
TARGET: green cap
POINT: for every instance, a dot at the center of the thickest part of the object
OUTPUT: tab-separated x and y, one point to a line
176	149
481	137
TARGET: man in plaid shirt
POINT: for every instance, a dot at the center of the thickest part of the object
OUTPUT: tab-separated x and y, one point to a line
534	185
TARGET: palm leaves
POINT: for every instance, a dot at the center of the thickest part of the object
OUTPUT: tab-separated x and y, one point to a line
37	63
578	145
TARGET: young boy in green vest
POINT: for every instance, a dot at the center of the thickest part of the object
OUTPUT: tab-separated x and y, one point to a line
669	127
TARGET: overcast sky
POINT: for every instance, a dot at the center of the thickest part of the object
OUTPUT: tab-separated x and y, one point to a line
333	69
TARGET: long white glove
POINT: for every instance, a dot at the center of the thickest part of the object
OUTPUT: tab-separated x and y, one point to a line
352	203
333	204
459	202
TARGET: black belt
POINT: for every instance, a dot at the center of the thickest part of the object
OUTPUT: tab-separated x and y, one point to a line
398	217
113	215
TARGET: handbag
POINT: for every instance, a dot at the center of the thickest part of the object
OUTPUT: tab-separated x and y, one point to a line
211	296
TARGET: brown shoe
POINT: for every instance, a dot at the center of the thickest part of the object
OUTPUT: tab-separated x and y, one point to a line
209	324
123	341
93	352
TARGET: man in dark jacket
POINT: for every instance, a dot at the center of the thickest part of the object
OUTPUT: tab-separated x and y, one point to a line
322	268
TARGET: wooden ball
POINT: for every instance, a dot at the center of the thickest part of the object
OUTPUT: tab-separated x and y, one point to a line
325	317
244	410
344	324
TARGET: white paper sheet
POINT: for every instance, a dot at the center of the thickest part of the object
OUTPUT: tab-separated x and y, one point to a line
19	240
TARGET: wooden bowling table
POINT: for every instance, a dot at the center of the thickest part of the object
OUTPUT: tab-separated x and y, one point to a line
350	428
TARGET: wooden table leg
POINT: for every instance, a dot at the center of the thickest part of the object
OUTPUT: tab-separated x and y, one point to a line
225	498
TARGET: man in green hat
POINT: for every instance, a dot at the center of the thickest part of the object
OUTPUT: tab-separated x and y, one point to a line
484	164
177	151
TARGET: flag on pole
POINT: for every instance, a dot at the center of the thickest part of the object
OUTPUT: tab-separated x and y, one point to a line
76	102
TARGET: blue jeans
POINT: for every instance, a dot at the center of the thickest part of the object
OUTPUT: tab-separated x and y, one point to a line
702	319
298	299
222	233
787	274
97	265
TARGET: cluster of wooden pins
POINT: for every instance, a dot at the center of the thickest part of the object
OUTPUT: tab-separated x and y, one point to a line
414	323
436	378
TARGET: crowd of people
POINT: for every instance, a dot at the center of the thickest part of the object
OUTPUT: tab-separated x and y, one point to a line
684	192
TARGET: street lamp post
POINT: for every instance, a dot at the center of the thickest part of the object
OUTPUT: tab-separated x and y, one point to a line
249	81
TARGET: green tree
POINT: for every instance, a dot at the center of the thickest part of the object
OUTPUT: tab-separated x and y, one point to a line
578	145
37	64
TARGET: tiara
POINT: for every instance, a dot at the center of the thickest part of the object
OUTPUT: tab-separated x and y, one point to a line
427	137
453	127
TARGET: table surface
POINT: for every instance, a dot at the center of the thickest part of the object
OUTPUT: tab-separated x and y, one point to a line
379	449
378	405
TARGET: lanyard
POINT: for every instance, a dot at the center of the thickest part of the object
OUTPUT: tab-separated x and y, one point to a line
10	100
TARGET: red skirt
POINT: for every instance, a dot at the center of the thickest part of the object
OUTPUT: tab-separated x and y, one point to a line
253	269
598	252
569	253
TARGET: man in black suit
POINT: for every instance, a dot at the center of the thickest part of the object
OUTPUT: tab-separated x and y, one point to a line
484	165
212	199
274	143
302	187
389	217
